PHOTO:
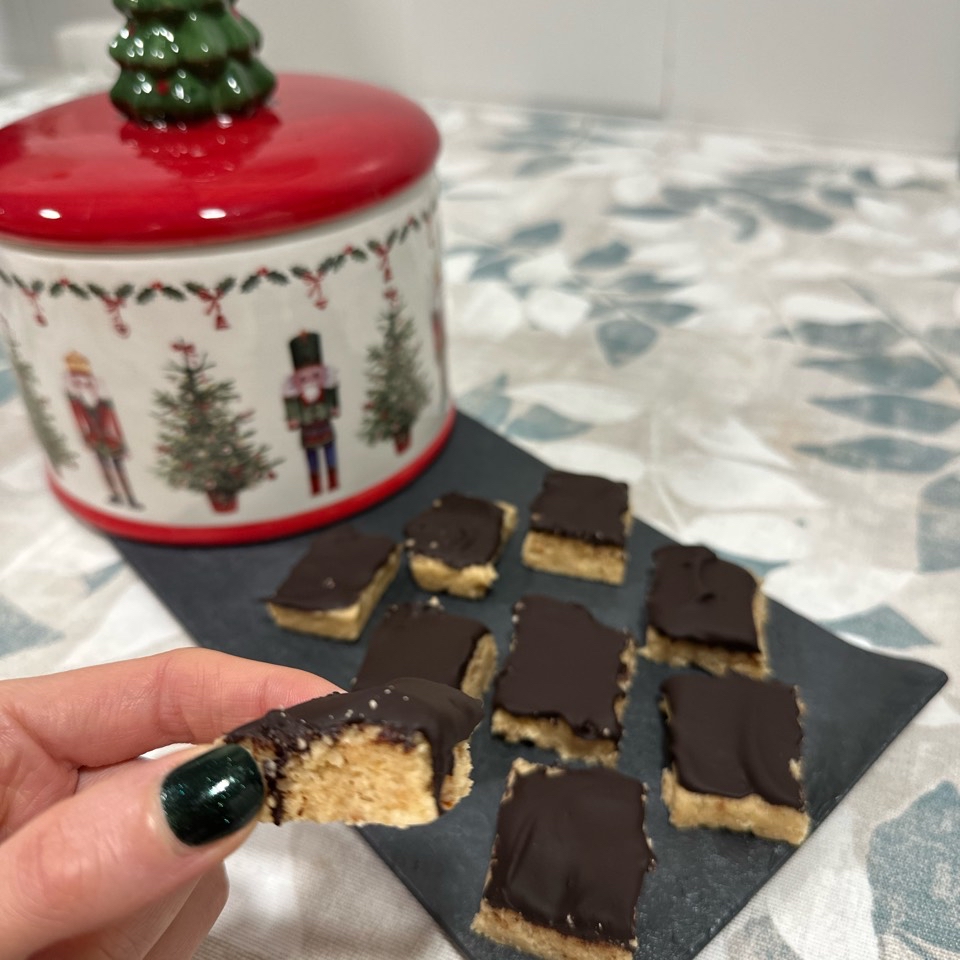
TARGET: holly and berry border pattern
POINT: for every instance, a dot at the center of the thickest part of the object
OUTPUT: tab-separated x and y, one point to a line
213	298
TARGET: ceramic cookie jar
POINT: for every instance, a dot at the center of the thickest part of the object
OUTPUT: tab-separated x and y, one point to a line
222	292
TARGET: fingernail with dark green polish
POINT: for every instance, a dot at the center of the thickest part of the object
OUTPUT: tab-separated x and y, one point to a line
213	795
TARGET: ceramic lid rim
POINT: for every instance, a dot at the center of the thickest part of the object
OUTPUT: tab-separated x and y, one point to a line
79	176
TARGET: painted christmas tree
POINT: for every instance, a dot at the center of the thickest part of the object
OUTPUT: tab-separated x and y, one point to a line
183	60
397	390
51	439
204	445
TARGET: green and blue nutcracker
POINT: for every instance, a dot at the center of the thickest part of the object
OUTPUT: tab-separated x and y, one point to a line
311	395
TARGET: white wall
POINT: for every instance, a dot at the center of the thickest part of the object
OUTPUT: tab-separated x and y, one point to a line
10	73
592	54
883	71
866	71
30	26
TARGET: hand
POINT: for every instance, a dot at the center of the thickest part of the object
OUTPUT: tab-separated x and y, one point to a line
106	855
293	424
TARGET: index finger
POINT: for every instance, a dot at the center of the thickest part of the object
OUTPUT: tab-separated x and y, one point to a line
103	715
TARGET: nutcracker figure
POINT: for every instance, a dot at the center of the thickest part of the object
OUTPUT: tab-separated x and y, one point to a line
311	396
438	324
99	427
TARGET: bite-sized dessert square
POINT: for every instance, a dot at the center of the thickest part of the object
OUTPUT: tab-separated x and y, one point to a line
579	527
568	864
333	589
564	684
704	611
424	640
455	543
396	754
736	747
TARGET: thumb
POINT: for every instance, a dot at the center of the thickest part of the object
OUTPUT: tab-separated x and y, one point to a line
128	840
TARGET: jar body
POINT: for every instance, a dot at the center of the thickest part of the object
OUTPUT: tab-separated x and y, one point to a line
240	392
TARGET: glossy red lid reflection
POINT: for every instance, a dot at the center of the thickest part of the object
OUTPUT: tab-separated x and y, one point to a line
80	175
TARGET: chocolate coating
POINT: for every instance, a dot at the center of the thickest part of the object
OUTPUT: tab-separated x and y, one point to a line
458	530
335	571
563	663
571	853
591	509
403	708
732	737
420	640
696	596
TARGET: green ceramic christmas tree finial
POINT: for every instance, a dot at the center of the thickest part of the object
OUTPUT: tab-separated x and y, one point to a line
186	60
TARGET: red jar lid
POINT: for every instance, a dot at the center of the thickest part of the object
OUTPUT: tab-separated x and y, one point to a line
80	175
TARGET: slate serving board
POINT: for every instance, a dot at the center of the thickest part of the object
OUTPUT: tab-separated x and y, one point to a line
857	702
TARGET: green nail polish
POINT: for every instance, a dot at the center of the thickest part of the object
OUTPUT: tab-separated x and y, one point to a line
212	796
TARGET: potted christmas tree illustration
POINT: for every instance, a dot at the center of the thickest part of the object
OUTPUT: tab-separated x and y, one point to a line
186	60
397	390
204	445
51	439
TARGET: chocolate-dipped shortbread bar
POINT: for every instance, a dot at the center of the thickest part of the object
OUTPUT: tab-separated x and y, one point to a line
579	527
332	591
564	684
423	640
704	611
454	544
396	754
736	756
568	864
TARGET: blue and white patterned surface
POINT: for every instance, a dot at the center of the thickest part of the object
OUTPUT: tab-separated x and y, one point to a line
763	339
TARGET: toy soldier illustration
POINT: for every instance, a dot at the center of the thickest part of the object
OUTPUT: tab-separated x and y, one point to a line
99	427
438	324
311	396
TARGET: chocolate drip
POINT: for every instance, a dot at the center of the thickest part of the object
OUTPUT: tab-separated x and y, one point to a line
403	708
420	640
696	596
337	568
733	737
563	663
591	509
571	853
458	530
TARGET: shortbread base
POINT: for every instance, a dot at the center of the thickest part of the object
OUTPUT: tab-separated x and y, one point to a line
569	557
360	777
512	930
750	814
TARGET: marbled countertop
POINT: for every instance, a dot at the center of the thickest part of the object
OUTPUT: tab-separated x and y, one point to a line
763	339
